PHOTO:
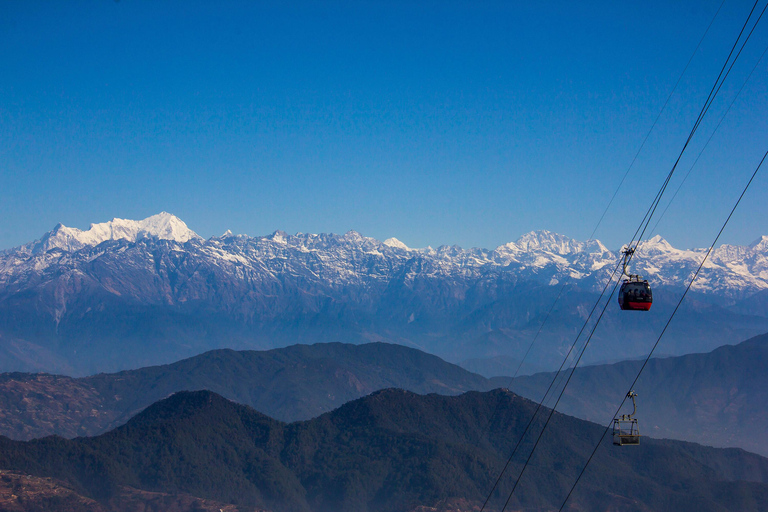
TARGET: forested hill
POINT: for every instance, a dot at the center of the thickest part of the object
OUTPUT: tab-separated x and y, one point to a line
716	398
293	383
709	398
392	450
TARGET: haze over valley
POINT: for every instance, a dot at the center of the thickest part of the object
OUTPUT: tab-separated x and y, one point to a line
126	294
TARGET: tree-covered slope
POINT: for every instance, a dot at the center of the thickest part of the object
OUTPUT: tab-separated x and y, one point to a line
291	383
716	398
712	398
390	451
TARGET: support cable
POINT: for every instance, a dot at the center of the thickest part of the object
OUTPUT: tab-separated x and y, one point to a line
546	393
647	219
645	139
707	104
591	237
621	183
709	140
554	407
695	275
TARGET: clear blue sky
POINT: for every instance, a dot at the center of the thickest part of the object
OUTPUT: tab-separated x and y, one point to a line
464	123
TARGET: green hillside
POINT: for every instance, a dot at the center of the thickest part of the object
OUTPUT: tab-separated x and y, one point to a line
390	451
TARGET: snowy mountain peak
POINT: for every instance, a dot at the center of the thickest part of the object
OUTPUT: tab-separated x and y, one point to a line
547	241
656	245
658	239
734	271
163	225
760	245
727	253
278	236
596	245
395	243
353	235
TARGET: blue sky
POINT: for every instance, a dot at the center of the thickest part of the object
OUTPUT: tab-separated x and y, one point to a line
464	123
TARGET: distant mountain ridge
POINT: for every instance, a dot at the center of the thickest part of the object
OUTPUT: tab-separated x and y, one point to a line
717	398
290	384
390	451
736	271
135	293
709	398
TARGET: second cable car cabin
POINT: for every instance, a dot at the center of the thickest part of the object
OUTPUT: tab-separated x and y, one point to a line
635	293
625	429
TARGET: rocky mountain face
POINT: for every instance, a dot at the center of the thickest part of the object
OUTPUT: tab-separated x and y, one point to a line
132	293
390	451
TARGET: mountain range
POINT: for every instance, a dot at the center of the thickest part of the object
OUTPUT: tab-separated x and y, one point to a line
711	398
126	294
390	451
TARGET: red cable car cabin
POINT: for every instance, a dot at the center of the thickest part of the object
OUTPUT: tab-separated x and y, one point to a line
635	295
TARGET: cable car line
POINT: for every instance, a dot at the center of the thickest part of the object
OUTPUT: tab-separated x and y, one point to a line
605	211
743	44
658	196
626	173
546	393
719	81
663	107
573	369
710	98
554	379
656	344
552	382
560	396
567	356
722	118
645	223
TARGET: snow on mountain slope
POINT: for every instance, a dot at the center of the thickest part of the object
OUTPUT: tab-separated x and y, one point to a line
163	225
731	271
394	242
338	261
130	293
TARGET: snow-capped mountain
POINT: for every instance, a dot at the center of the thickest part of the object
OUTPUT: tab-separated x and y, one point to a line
163	225
96	295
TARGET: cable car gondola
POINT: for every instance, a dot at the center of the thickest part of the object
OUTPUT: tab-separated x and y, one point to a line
625	429
635	293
